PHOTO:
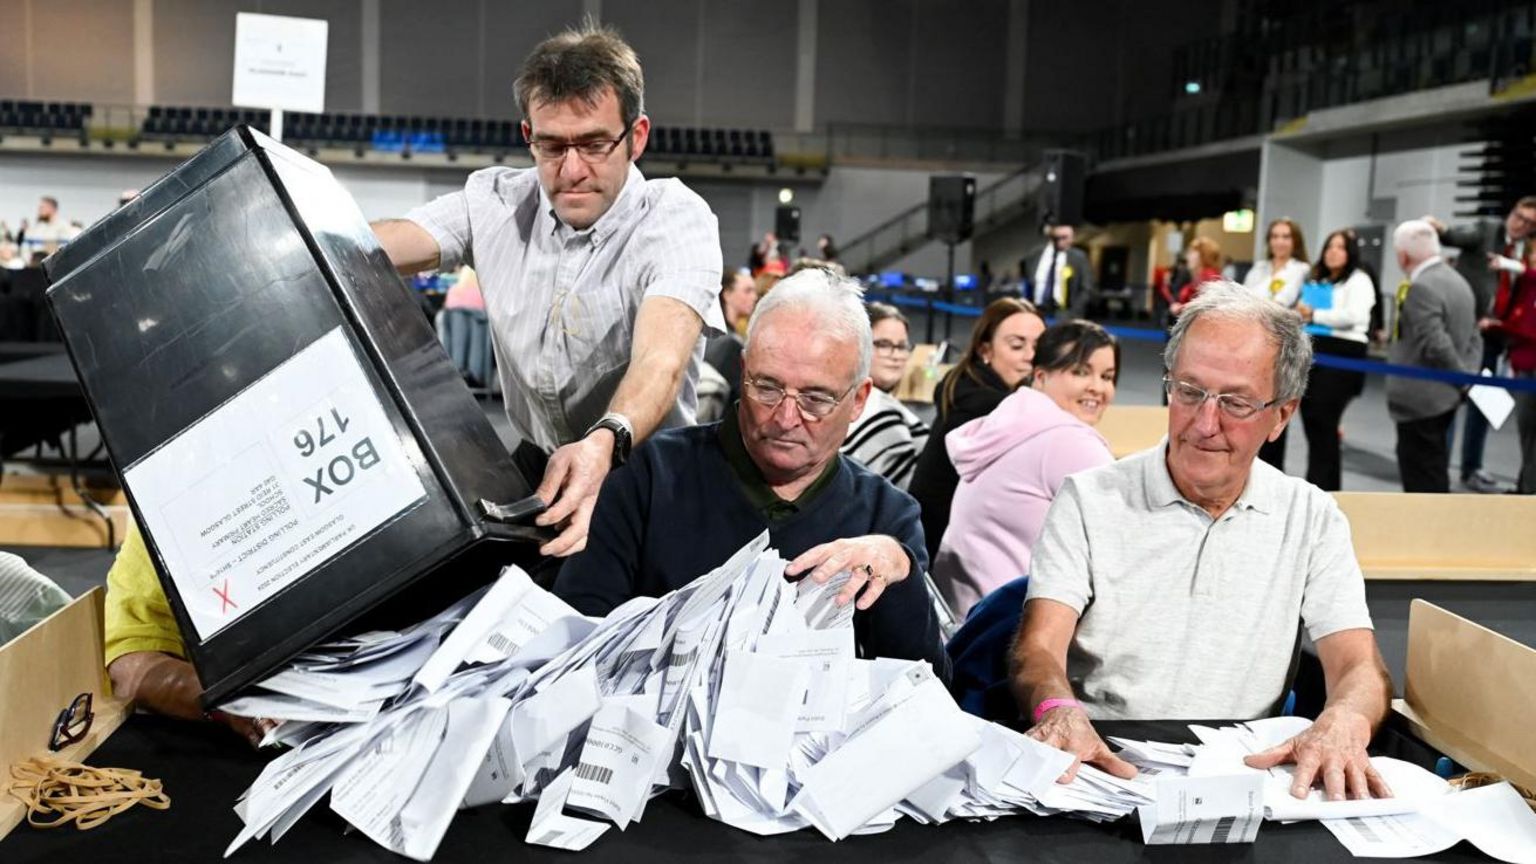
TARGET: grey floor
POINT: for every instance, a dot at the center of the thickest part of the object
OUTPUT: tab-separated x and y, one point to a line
1369	465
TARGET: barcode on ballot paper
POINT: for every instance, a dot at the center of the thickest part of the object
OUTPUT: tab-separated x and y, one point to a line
500	642
1223	829
1364	828
683	659
595	773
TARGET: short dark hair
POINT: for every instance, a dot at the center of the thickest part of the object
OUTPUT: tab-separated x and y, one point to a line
52	201
1070	344
1528	202
581	63
885	312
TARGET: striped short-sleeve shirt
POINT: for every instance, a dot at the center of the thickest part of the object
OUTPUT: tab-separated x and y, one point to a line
562	303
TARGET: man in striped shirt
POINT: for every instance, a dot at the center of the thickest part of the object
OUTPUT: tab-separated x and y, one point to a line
598	282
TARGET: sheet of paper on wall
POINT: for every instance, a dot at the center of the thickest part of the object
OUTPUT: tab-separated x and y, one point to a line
1494	402
1204	810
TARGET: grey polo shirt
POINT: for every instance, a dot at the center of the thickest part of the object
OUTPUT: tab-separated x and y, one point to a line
562	303
1183	616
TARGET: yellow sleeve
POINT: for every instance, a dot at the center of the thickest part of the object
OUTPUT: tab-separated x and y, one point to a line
138	616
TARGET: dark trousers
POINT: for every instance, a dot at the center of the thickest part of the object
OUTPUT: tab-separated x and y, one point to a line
1273	452
1329	393
1474	431
1424	454
1525	418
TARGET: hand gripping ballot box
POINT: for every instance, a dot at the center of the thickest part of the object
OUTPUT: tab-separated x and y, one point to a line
293	440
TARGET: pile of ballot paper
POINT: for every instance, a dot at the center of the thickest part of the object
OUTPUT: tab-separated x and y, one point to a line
741	685
1204	793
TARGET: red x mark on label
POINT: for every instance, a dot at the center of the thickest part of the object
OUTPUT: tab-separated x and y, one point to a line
227	603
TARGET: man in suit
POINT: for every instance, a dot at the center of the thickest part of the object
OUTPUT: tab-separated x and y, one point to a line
1063	283
1492	289
1436	328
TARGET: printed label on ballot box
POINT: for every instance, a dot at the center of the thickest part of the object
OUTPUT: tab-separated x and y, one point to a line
273	483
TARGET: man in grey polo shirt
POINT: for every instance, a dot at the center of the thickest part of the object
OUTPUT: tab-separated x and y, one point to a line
598	282
1171	584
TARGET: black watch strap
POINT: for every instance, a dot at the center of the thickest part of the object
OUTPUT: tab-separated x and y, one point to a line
623	439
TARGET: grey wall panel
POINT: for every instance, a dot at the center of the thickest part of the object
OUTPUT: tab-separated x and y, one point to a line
1070	82
13	59
343	46
195	50
749	64
429	57
958	60
63	31
665	33
863	61
511	31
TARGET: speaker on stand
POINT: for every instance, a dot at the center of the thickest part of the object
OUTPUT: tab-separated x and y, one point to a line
951	219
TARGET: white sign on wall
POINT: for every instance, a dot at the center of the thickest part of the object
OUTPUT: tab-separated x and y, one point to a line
280	62
273	483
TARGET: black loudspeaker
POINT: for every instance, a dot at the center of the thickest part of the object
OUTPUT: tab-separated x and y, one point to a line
1061	189
786	223
951	207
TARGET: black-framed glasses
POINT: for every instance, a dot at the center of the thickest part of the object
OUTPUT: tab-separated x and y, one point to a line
72	723
1232	405
813	405
591	150
886	346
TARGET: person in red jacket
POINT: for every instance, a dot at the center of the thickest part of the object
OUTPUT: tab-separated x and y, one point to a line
1203	259
1516	312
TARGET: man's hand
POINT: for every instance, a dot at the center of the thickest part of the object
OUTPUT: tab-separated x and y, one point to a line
1333	750
571	482
1067	728
1304	311
1435	224
875	560
1487	324
252	729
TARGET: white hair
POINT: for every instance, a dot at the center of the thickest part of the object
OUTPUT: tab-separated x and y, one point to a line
1417	239
836	301
1220	298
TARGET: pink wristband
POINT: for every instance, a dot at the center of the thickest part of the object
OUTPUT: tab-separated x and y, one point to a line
1048	704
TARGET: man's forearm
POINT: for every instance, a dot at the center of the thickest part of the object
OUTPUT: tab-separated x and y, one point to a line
1364	690
1037	676
646	394
158	682
411	249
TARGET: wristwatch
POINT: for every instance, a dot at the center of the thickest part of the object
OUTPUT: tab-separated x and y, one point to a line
623	435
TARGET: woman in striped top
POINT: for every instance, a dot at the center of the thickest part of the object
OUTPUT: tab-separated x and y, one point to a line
887	437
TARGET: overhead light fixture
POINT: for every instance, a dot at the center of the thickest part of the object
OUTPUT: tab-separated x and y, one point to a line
786	195
1191	87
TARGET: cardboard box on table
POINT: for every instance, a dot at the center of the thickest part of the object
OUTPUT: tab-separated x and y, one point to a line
41	673
292	438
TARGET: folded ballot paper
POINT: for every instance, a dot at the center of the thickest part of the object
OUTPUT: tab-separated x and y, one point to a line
741	685
1204	793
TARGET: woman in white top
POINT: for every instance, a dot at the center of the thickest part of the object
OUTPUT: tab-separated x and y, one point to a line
1279	277
1338	315
887	437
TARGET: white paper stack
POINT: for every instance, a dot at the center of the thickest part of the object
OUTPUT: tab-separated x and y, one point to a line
1424	815
741	684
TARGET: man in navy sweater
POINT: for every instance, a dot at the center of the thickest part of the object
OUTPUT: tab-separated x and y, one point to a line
690	497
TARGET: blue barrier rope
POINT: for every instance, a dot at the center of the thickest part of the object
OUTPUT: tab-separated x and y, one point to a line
1350	364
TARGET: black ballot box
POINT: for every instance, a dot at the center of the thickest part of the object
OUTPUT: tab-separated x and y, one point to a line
293	440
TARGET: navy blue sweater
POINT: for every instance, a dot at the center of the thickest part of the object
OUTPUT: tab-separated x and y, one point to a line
677	511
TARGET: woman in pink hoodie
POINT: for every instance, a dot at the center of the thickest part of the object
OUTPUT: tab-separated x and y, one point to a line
1012	461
